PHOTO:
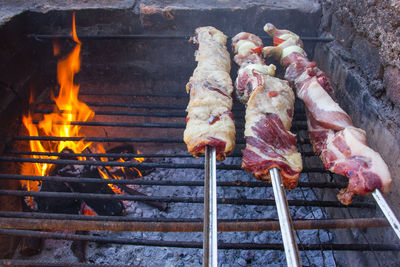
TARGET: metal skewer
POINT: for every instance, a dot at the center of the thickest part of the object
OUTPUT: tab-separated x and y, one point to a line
210	241
285	221
389	214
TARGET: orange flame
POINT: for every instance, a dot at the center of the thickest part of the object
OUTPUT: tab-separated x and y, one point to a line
68	109
59	123
114	188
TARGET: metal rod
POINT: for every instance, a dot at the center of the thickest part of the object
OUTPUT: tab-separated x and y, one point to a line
224	225
237	183
124	155
233	201
108	36
391	217
104	155
153	36
99	139
119	124
106	139
110	223
194	244
125	105
143	165
127	113
300	125
285	220
96	91
210	238
24	263
297	108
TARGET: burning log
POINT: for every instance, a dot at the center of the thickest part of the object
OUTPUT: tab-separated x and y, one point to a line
109	173
128	173
100	207
31	246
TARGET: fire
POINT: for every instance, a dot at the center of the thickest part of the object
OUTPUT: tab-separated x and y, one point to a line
106	172
105	175
67	109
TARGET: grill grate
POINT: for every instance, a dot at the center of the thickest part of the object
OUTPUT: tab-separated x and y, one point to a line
24	223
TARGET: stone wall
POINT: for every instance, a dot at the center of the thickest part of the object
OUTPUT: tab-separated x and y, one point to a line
363	63
370	30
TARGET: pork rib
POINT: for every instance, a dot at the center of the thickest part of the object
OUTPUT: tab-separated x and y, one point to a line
209	120
341	146
269	113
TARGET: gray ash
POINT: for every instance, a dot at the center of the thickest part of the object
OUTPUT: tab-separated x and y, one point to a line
165	256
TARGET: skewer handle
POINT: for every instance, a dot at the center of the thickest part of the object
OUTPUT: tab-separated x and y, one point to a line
389	214
210	240
285	221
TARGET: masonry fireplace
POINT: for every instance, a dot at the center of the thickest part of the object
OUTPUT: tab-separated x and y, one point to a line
135	60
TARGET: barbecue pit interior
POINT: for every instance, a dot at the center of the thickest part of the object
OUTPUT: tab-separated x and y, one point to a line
137	53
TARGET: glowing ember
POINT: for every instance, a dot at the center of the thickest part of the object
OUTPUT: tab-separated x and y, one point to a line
86	210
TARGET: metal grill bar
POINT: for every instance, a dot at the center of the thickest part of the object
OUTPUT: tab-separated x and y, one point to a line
161	182
266	224
121	124
123	155
299	124
100	139
24	263
113	139
297	108
185	244
171	225
154	36
96	93
50	264
121	113
142	165
124	105
234	201
298	117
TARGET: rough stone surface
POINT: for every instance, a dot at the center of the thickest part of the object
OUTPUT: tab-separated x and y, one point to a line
367	57
392	83
343	32
364	64
11	8
378	21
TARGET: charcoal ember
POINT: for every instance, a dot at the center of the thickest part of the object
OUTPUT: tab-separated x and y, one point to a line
121	149
104	207
57	205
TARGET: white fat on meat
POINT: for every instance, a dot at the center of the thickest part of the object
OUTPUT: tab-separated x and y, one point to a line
355	139
209	119
321	105
261	102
